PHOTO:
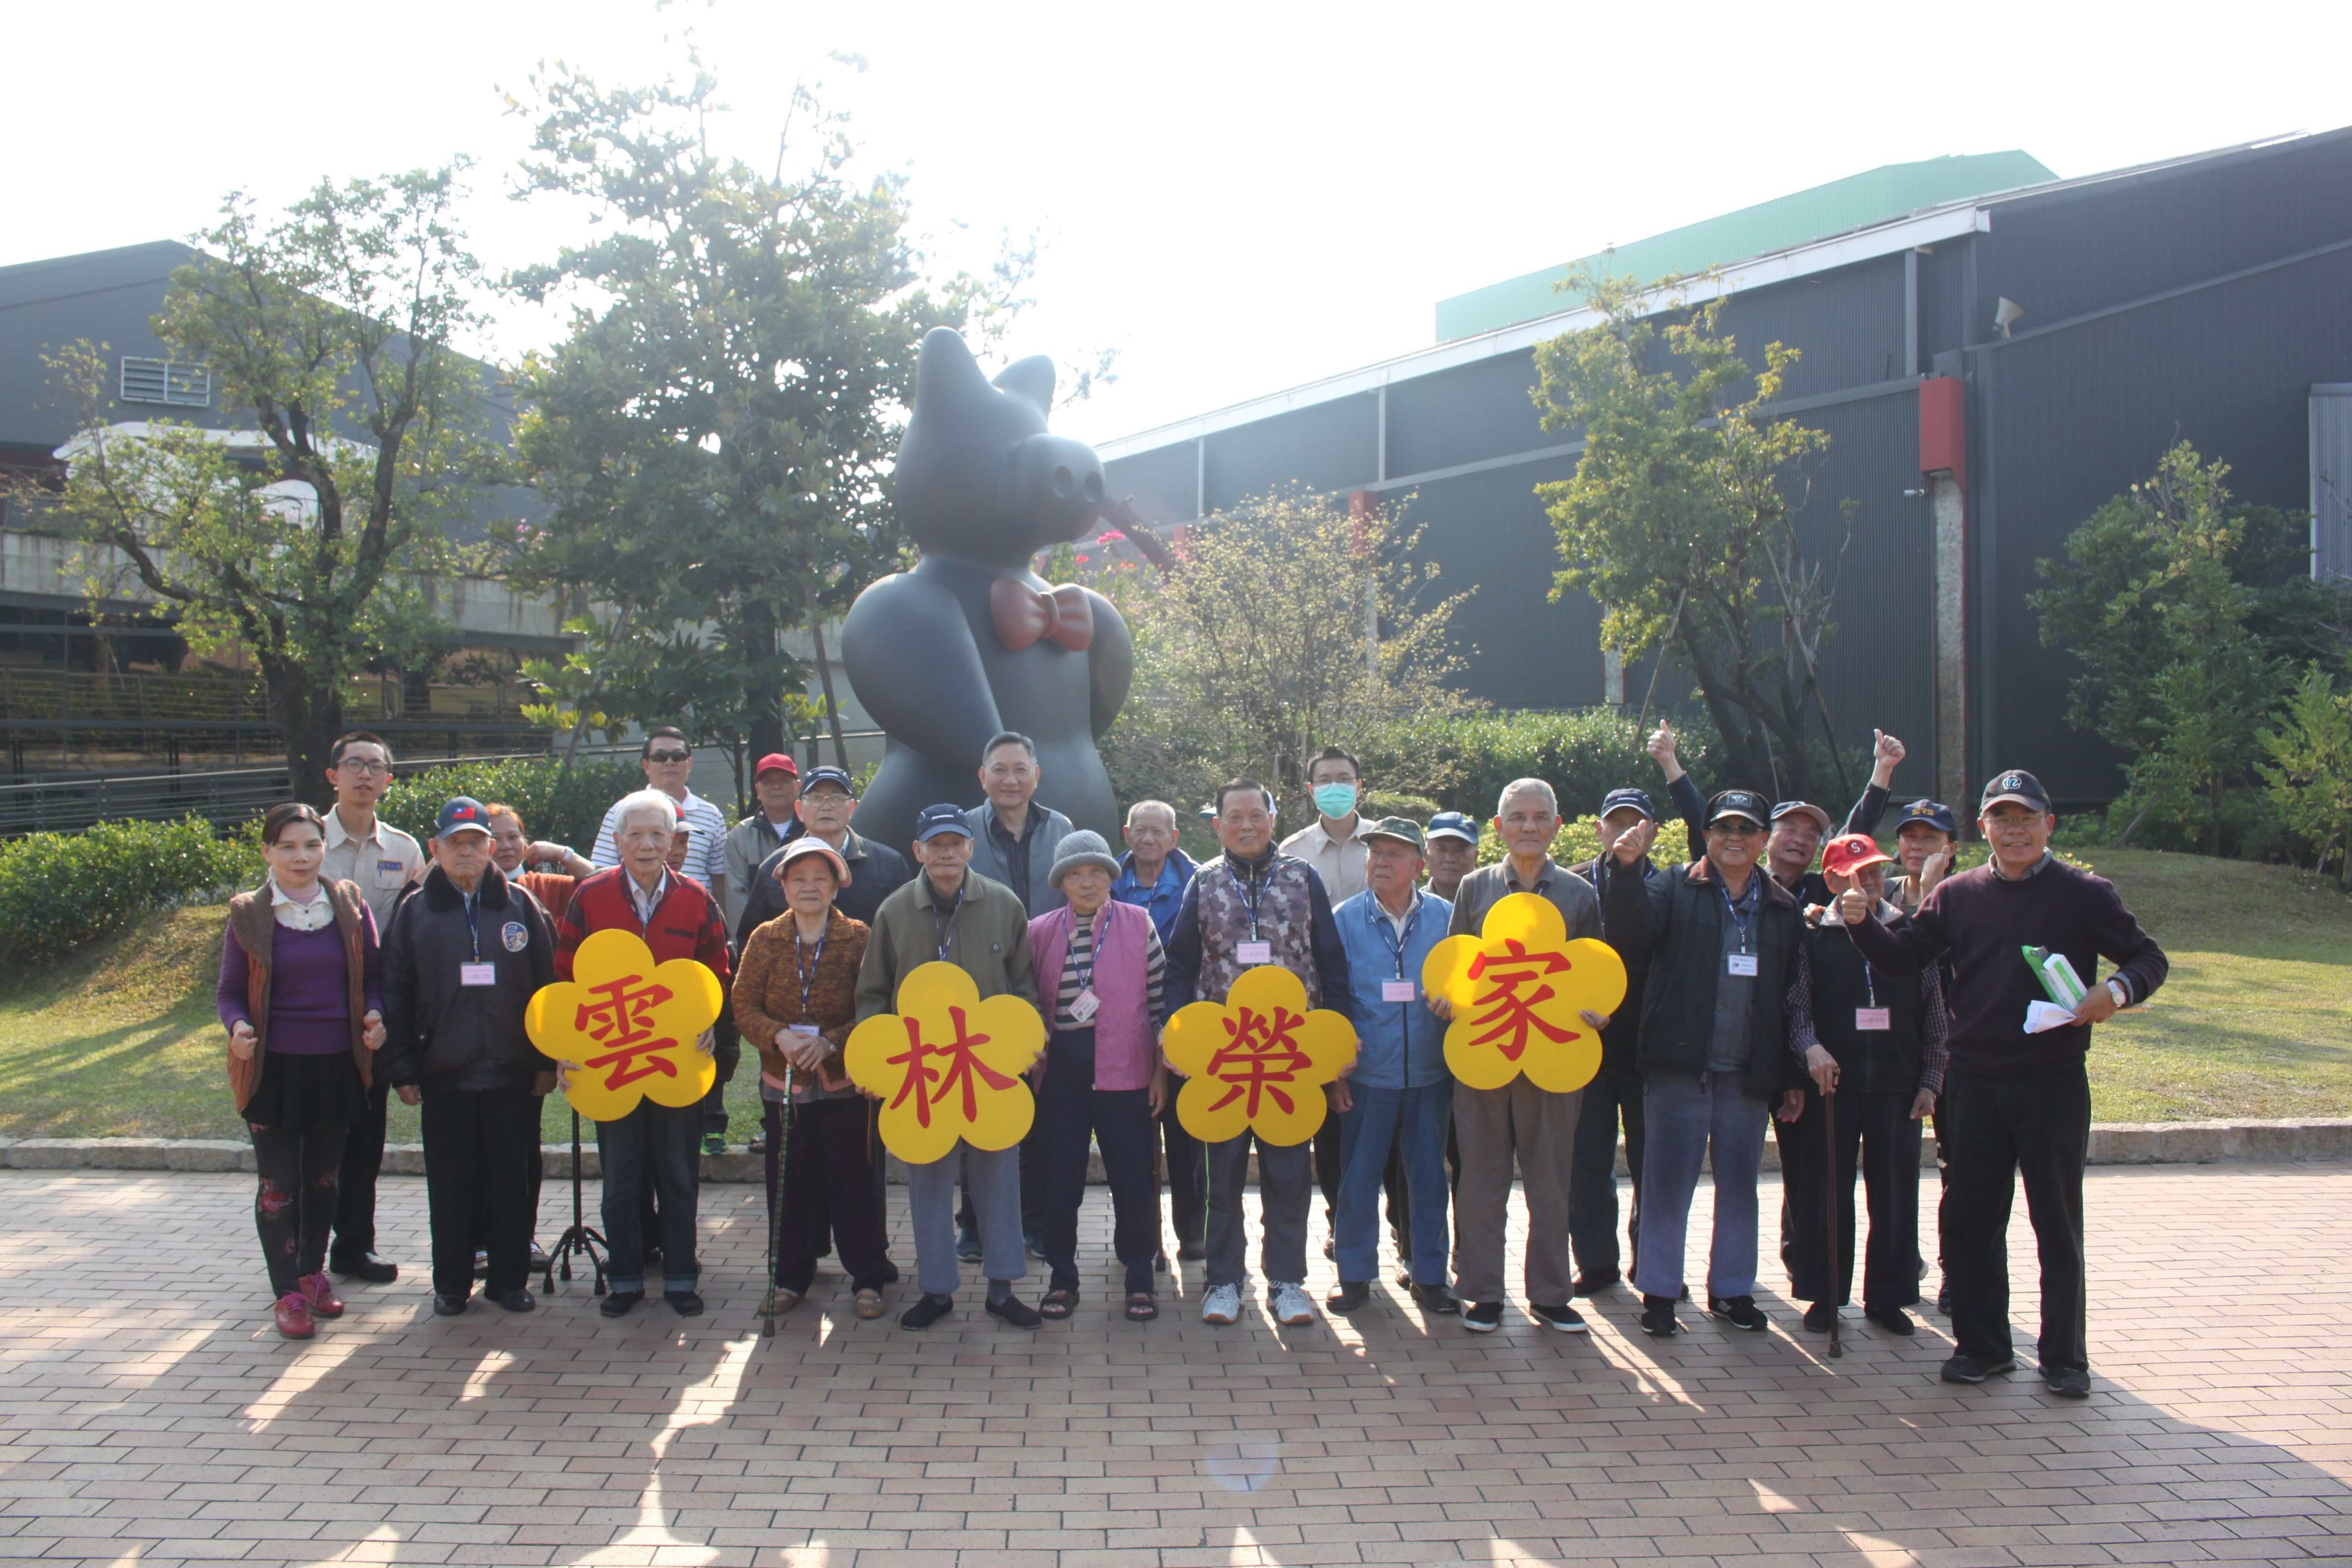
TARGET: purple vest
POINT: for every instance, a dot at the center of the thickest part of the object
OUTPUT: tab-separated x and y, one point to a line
1126	1050
1285	921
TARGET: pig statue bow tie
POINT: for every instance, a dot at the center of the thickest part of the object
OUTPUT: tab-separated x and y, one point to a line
1023	615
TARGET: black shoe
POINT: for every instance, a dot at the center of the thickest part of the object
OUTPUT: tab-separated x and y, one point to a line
366	1267
1016	1312
1405	1278
1658	1316
1964	1368
618	1303
518	1300
1436	1299
1592	1284
968	1246
1350	1294
1820	1316
653	1254
1190	1251
928	1309
1739	1311
889	1276
1894	1319
1564	1318
2067	1381
1483	1319
1943	1302
685	1303
448	1305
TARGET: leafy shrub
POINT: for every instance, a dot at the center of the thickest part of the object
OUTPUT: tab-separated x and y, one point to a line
1579	841
1582	753
60	890
564	804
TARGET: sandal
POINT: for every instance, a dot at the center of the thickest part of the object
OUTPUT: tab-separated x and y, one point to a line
1058	1304
1141	1306
868	1304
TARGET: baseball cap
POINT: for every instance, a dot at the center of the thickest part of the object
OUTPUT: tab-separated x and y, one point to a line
461	814
1743	803
828	774
938	819
1402	829
776	762
1453	825
1803	808
1638	799
1933	813
2018	785
1849	852
809	843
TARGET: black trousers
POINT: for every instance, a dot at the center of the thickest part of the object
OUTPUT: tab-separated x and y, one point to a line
478	1189
828	1192
1875	1133
2037	1126
1188	1176
1399	1198
714	1103
1610	1098
363	1162
1071	1112
295	1200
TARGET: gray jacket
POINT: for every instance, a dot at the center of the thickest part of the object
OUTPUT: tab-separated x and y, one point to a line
988	858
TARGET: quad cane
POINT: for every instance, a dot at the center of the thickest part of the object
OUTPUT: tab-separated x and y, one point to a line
579	1236
776	1208
1830	1215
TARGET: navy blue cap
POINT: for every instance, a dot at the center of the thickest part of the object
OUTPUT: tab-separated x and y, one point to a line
2019	785
938	819
828	774
1933	813
1454	824
459	815
1743	803
1638	799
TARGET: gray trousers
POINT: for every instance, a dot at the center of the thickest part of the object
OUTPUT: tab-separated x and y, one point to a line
1535	1129
994	1178
1694	1119
1285	1180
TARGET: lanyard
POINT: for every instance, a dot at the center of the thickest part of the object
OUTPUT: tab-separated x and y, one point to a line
945	930
806	968
1396	944
1094	949
473	929
1754	897
1249	899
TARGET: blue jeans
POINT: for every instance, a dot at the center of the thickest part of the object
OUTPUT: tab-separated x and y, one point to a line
661	1144
1685	1117
1413	1122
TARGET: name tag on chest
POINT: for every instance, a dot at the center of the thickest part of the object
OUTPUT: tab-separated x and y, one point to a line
477	974
1874	1018
801	1029
1252	953
1739	964
1397	991
390	871
1085	1005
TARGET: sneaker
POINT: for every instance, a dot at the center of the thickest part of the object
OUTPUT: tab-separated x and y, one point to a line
714	1142
1351	1296
928	1309
1290	1304
1483	1319
685	1303
1223	1304
1819	1317
1593	1282
616	1303
1894	1319
1658	1316
1965	1368
1739	1311
968	1246
1013	1309
320	1294
2067	1381
1435	1298
293	1316
1564	1318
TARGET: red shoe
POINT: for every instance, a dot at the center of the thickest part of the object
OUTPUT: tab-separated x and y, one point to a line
321	1295
294	1315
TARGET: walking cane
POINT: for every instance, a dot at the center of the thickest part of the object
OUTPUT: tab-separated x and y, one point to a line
1830	1215
776	1208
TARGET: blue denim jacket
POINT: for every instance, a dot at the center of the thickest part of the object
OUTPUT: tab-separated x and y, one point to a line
1400	1044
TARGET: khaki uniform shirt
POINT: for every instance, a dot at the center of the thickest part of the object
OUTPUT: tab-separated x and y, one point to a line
381	864
1338	861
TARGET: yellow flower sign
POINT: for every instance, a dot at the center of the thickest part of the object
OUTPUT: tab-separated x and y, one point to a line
1259	1061
1516	989
947	1065
627	1027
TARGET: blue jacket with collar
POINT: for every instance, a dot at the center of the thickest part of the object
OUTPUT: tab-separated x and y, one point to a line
1400	1044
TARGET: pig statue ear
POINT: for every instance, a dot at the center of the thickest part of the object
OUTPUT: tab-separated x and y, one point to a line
1030	380
946	376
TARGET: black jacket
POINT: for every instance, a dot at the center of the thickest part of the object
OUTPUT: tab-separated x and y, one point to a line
444	1034
1621	1041
1675	918
1871	1061
876	871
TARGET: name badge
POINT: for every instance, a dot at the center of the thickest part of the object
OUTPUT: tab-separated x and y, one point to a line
1249	953
1084	1006
1874	1018
1398	991
1740	963
477	974
392	868
801	1029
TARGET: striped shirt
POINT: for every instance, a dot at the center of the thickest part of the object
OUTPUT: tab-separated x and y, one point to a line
706	842
1079	966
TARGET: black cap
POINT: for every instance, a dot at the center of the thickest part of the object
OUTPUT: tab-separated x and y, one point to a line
1933	813
938	819
2018	785
1743	803
1638	799
828	774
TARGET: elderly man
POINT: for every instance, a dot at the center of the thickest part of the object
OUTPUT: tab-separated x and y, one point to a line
1013	838
776	788
1519	1122
826	802
1453	851
667	760
654	1145
952	914
1152	876
1798	827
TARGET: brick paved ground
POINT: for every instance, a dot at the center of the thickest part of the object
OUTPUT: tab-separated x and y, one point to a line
151	1417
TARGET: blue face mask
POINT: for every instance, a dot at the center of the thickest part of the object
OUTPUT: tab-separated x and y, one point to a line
1335	800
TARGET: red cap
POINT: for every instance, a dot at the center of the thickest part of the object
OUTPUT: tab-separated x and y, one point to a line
777	762
1844	856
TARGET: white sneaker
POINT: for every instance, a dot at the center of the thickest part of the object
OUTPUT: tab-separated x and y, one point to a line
1291	1305
1223	1304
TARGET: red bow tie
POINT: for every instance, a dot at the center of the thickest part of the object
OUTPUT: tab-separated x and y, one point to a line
1023	615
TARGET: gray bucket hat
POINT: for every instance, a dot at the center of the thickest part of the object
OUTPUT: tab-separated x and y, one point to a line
1083	847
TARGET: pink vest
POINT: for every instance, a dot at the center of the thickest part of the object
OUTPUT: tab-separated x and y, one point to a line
1126	1050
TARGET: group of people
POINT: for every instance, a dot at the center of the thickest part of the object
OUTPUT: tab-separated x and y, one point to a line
1841	1005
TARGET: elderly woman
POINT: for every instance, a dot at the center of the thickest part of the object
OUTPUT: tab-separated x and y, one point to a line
301	995
796	1001
1100	966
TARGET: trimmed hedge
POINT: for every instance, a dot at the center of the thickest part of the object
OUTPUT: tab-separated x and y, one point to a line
566	805
60	890
1582	755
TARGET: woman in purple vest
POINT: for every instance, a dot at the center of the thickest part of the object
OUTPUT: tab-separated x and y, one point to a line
1099	972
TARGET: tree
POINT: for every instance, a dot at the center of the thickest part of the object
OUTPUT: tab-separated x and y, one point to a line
1278	628
2309	774
1676	521
332	329
714	437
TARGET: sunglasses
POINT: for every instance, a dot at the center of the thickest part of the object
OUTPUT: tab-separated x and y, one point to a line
669	756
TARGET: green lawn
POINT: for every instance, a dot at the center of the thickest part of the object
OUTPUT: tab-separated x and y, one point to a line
2256	1020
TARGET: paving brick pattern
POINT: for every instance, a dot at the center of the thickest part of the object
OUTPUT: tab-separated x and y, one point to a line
149	1416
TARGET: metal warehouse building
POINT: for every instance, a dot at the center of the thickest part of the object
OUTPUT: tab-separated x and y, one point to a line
2205	298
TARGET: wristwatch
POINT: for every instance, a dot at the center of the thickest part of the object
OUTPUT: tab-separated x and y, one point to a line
2116	989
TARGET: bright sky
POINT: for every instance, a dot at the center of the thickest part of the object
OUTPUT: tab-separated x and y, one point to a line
1237	198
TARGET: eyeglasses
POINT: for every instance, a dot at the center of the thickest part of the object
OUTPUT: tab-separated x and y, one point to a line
669	756
354	765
